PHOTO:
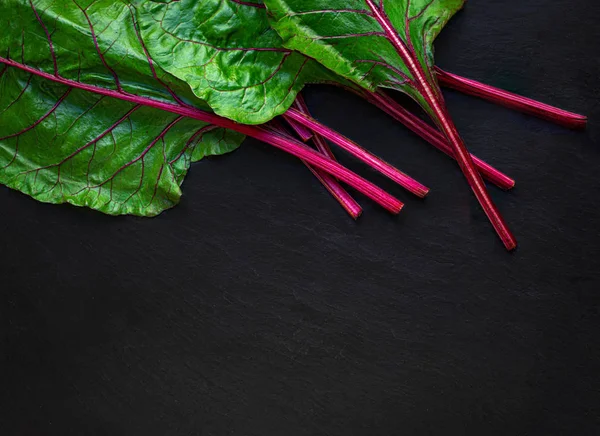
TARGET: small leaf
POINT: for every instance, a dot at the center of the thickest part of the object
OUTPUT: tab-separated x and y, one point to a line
345	36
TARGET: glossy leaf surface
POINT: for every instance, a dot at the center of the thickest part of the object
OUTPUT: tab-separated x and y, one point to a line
60	144
229	55
347	37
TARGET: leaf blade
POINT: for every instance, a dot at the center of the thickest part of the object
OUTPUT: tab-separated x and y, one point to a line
346	37
64	145
87	150
228	54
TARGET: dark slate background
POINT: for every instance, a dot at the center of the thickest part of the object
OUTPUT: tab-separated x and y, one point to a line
257	307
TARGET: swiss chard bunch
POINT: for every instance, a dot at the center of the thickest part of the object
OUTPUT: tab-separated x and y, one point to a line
106	104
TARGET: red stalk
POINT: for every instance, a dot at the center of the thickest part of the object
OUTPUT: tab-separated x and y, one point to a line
329	182
433	136
373	161
342	196
303	133
315	159
447	126
293	147
511	100
338	192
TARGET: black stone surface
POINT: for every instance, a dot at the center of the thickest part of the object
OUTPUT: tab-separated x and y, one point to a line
257	307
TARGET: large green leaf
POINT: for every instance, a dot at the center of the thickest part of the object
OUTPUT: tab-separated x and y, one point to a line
61	144
346	37
228	53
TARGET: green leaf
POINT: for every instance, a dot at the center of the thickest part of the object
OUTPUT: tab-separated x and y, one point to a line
346	37
228	54
60	144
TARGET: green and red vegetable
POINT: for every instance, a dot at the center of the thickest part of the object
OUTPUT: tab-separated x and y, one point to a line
106	104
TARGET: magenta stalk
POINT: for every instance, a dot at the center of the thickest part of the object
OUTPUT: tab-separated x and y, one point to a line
343	197
357	151
303	133
330	183
433	136
338	192
314	158
293	147
441	116
511	100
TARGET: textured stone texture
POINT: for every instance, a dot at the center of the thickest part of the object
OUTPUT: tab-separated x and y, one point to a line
256	307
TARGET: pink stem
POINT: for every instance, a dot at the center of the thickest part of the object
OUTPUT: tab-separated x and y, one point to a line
433	136
304	133
329	182
293	147
338	192
385	168
342	196
315	159
511	100
441	116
